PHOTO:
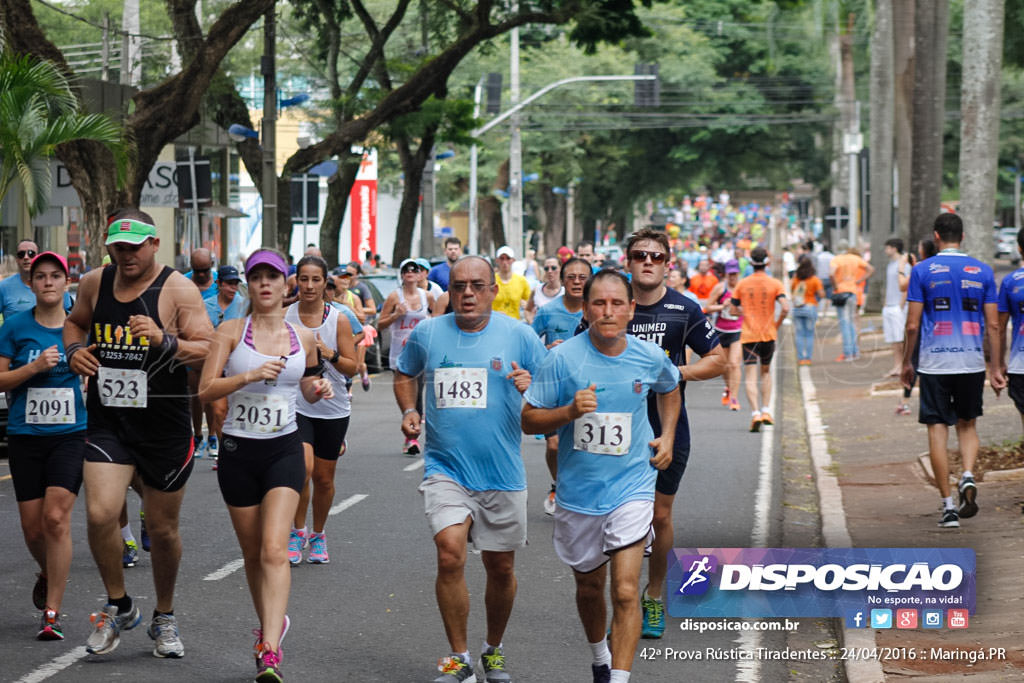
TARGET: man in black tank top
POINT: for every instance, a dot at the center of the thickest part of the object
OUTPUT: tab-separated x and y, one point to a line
132	330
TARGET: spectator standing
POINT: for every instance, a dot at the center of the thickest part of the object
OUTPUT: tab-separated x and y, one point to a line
806	290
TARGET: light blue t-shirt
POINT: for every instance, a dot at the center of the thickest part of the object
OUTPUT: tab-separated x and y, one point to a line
554	322
211	291
1011	300
954	289
236	309
22	339
16	296
357	326
472	409
592	483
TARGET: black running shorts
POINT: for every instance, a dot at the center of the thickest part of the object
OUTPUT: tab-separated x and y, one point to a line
727	339
164	464
324	434
948	398
1015	388
38	462
248	468
762	351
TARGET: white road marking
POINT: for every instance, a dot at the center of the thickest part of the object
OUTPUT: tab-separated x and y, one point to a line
413	465
347	503
54	666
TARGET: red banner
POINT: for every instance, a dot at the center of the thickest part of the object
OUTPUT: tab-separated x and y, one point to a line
363	212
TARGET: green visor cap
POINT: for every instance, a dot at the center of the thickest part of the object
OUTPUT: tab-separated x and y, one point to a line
129	231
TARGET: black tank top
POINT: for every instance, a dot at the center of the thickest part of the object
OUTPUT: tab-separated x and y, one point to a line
167	407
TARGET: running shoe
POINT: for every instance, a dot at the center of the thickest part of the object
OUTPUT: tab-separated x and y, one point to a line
318	549
214	465
950	519
107	626
493	663
654	617
734	404
549	502
903	409
199	447
725	397
296	542
454	669
39	591
365	382
602	673
968	497
144	535
131	554
213	446
755	423
411	448
164	630
49	628
268	665
258	632
767	418
841	357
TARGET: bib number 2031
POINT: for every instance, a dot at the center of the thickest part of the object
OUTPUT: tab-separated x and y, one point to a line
122	388
603	433
258	413
460	387
50	406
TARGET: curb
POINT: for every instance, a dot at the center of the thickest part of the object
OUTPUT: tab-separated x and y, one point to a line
833	526
994	475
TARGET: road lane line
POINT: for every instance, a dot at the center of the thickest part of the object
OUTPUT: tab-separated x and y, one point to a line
5	477
347	503
54	666
413	465
234	565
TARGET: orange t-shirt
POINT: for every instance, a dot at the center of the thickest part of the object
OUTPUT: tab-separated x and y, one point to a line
701	285
846	270
757	294
805	292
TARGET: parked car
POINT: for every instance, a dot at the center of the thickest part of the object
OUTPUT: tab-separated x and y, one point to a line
1006	244
380	285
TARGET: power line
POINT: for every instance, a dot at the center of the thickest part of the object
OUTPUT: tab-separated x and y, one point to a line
118	31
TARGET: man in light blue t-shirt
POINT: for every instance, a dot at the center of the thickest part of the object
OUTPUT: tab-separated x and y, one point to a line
15	294
593	389
476	366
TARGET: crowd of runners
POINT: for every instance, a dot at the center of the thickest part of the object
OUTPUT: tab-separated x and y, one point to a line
112	390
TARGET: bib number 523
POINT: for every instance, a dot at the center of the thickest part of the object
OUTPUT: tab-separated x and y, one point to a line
122	388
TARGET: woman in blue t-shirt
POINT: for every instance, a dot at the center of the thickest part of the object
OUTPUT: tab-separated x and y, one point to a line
46	433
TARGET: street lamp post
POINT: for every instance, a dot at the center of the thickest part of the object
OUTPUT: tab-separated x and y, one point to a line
267	67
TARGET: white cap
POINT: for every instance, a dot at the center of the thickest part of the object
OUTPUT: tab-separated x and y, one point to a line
505	251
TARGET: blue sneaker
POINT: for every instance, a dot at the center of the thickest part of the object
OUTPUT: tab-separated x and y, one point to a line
199	451
131	554
654	617
602	673
212	446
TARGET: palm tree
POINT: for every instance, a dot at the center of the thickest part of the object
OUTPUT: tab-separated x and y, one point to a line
38	112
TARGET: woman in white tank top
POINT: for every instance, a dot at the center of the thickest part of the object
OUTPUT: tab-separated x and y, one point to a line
262	364
323	424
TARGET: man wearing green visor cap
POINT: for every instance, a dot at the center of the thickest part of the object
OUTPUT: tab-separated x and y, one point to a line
134	327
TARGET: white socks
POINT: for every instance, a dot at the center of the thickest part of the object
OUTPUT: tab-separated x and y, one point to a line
947	503
602	655
619	676
126	533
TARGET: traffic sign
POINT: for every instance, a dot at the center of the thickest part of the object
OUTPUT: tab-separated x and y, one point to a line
837	217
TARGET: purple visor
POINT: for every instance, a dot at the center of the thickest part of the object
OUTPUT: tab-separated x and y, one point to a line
265	257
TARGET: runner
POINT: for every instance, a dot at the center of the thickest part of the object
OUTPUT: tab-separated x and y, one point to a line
324	423
952	307
45	432
513	289
728	326
362	292
556	322
143	321
441	273
262	363
15	290
229	304
1011	307
477	365
593	389
703	281
674	323
550	288
755	296
405	308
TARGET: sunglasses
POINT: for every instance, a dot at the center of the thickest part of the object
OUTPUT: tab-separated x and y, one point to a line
26	253
477	286
550	268
201	270
411	269
655	256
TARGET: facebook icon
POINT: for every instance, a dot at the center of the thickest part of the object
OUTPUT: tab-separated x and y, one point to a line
855	620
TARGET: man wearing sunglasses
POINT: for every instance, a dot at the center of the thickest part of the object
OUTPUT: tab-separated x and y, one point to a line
15	294
202	274
476	365
673	322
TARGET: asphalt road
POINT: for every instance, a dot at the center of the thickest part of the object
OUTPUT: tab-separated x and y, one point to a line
370	614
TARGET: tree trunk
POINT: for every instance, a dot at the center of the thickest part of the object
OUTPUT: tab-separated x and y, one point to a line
931	25
979	128
413	164
903	56
339	187
846	102
880	169
554	223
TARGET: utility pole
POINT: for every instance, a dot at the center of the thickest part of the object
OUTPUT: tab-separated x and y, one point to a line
853	143
474	219
427	181
514	236
268	69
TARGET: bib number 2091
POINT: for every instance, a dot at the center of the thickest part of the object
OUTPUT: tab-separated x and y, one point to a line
50	406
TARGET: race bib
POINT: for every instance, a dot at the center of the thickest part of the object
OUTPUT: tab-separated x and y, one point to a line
50	406
258	413
122	388
460	387
603	433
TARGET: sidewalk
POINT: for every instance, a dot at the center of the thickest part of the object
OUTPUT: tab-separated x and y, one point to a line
889	501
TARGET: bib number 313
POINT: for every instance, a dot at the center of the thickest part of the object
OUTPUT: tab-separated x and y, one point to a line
603	433
50	406
122	388
460	387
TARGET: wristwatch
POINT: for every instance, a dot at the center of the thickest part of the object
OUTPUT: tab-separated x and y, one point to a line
335	357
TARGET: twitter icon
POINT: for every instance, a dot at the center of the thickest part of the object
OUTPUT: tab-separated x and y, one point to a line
881	618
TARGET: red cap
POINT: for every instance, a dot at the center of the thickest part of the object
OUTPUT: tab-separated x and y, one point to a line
52	256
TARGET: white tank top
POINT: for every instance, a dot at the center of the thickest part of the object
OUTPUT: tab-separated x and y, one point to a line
340	405
402	327
541	299
260	410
